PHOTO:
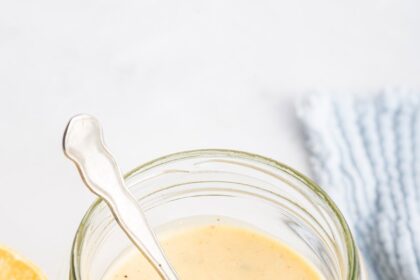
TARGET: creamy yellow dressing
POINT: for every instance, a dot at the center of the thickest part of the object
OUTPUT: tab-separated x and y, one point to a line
219	252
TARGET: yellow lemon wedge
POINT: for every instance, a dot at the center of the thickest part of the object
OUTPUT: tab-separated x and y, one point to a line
15	267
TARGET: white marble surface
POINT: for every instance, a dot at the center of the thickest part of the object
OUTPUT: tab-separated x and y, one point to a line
166	76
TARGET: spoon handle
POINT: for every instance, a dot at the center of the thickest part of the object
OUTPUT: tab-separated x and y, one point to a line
132	220
83	144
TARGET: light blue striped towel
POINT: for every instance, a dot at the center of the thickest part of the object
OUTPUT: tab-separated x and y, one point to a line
366	153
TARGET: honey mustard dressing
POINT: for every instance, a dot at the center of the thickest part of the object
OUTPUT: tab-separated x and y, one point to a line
218	252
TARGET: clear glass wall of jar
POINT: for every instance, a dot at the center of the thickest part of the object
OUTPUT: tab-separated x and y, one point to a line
258	191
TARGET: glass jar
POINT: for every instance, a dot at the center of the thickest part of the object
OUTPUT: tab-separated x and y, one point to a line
270	196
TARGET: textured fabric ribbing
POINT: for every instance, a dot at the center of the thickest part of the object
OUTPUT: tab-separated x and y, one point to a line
366	154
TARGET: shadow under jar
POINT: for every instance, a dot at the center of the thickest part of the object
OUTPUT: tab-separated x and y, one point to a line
270	196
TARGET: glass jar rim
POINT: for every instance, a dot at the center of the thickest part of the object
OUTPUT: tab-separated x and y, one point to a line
352	253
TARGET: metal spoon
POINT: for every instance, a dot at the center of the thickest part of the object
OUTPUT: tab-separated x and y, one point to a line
83	144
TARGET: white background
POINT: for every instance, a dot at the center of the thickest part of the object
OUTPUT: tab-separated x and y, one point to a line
165	76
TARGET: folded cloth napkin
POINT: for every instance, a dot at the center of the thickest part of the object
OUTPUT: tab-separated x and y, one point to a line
366	153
